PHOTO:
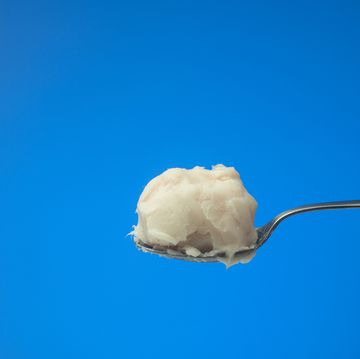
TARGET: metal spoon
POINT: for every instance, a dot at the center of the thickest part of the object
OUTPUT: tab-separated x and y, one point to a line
263	232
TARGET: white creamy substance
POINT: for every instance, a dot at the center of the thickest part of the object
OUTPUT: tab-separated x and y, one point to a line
199	212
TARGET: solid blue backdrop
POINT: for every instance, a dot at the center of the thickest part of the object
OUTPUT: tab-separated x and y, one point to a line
98	97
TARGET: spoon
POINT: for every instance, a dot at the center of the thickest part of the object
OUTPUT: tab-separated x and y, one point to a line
264	232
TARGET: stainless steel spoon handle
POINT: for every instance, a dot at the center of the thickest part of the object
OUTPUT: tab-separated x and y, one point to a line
265	231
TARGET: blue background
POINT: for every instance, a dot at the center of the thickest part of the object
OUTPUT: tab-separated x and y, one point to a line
98	97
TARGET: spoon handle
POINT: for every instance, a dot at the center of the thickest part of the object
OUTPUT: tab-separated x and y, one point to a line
265	231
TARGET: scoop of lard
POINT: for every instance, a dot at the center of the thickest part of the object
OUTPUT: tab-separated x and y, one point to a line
198	212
